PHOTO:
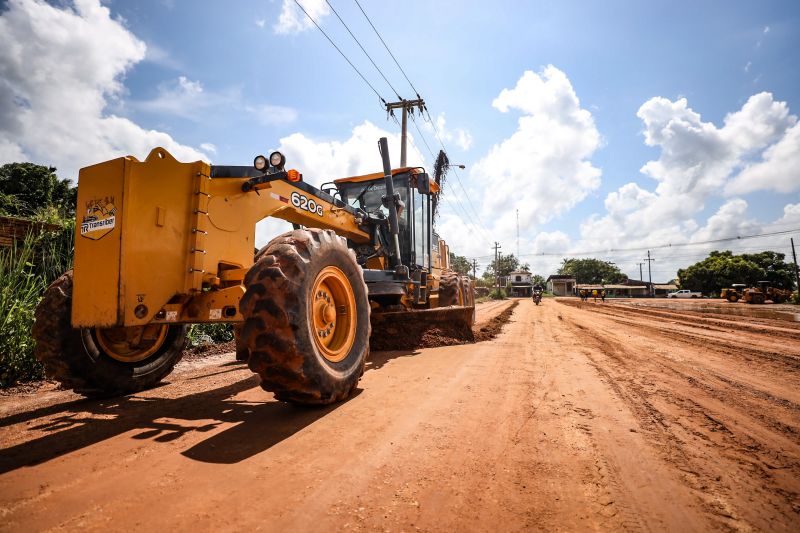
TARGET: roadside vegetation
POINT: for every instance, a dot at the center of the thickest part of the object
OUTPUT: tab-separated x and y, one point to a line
723	269
45	205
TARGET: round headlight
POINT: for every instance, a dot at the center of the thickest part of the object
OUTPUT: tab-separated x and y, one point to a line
276	159
260	162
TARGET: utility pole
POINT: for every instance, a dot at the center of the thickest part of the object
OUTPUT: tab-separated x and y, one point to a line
517	234
649	271
641	276
406	106
475	269
796	270
496	265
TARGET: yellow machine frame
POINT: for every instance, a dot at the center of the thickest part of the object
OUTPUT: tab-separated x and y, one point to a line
197	233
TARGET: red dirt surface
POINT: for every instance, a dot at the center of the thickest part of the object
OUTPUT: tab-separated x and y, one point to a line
576	416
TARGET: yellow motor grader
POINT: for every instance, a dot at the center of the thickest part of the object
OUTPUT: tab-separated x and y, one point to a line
756	295
160	245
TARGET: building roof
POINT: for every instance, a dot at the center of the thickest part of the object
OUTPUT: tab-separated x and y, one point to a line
666	286
624	287
519	272
558	277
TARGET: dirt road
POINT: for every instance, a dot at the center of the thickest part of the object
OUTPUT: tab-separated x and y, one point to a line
578	416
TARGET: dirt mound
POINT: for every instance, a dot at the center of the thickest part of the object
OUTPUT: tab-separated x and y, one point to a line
206	350
415	334
492	329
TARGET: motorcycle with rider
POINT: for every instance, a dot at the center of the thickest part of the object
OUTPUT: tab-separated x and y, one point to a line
537	294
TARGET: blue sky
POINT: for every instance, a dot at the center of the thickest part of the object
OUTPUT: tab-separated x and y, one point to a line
227	80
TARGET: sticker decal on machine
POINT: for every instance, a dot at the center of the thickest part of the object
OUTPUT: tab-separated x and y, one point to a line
214	314
99	219
172	316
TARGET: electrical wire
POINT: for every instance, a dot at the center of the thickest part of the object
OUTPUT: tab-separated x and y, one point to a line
387	48
610	251
458	178
340	52
363	50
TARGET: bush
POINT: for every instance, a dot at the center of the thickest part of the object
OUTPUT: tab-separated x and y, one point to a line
200	334
26	269
498	294
21	289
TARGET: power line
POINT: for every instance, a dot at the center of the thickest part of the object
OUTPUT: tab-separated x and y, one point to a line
362	49
669	245
436	131
340	52
610	251
387	48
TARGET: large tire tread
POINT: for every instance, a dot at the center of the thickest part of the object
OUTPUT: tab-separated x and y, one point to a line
449	288
274	307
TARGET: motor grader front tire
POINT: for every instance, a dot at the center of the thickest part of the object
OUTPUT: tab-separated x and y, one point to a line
307	318
102	361
733	298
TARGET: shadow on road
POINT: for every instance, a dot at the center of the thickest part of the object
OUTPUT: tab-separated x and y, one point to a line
377	360
82	423
258	426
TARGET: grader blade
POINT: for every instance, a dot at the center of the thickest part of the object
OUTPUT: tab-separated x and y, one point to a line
424	328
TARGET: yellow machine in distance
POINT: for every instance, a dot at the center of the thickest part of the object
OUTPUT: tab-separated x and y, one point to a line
162	244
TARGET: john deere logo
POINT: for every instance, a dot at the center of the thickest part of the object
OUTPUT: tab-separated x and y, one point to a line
99	219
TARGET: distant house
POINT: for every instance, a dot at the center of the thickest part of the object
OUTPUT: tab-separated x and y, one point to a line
520	283
561	285
662	289
617	290
656	289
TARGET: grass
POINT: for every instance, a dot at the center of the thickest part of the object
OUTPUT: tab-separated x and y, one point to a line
26	269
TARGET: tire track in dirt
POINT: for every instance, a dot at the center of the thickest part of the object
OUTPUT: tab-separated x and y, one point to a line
655	388
738	347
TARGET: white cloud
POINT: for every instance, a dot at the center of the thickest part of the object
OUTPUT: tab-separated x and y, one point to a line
190	100
261	23
461	137
544	168
59	69
779	170
208	147
273	114
321	161
157	55
325	160
730	219
293	20
696	163
791	215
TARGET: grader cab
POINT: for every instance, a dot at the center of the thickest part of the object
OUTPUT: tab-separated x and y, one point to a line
161	245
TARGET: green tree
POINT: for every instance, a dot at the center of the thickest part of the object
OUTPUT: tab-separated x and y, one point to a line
778	272
35	191
723	269
592	271
460	264
537	279
506	265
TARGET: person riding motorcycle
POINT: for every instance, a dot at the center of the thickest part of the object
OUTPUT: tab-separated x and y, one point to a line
537	294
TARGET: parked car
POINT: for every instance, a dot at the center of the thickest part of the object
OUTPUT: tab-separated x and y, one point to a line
685	294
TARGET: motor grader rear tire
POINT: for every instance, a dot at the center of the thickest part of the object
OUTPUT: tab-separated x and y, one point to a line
307	318
100	362
468	295
450	292
733	298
